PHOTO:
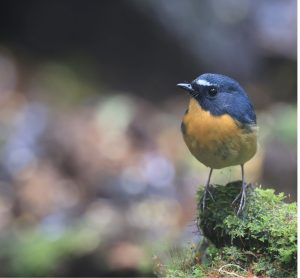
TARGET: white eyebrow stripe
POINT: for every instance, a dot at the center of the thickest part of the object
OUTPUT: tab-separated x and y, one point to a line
203	82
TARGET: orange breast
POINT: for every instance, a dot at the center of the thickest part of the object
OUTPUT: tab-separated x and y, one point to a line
217	141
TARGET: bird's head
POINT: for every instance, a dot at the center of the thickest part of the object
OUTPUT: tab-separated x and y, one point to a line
219	94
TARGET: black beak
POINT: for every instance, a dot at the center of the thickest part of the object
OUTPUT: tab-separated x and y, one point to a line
185	86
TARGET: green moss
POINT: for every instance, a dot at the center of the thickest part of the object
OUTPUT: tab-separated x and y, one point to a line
263	238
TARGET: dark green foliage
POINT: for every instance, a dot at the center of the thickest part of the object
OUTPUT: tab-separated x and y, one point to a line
263	238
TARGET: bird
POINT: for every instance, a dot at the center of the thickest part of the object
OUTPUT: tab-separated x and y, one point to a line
219	127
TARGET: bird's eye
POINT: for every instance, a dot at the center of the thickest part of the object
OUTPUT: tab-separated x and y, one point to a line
212	91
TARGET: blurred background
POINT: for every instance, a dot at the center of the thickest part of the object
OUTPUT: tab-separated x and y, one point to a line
95	179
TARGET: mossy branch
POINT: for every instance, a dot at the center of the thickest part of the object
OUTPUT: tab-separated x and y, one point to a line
262	238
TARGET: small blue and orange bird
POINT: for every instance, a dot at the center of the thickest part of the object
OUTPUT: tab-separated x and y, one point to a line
219	126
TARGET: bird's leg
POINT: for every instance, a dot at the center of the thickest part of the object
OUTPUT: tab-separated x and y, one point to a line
242	194
207	189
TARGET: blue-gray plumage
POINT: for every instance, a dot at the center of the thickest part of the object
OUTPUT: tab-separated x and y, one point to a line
231	98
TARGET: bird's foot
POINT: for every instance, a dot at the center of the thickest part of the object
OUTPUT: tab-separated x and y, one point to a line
236	198
206	190
242	202
242	196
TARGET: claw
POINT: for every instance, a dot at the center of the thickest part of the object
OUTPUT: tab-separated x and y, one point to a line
204	197
211	196
236	198
243	197
243	200
207	190
242	194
